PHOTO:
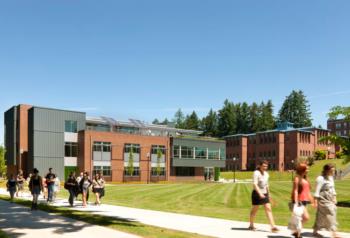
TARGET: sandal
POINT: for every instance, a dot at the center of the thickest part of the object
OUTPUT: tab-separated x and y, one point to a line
252	228
274	230
318	235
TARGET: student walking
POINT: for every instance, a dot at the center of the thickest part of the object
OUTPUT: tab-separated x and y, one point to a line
50	181
20	183
71	186
301	197
85	184
35	187
98	187
11	186
326	202
56	187
78	191
261	196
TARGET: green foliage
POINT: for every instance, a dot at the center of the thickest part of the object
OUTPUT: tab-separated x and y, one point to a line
227	119
320	155
216	174
339	154
310	160
209	124
131	162
155	122
159	156
192	122
3	167
296	109
179	119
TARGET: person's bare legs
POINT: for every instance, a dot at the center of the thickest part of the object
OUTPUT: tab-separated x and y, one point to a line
269	215
84	199
97	195
253	212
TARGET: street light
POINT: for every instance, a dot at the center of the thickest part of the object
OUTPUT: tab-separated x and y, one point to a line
234	169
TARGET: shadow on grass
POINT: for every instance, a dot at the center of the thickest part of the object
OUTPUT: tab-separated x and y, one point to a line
39	219
343	204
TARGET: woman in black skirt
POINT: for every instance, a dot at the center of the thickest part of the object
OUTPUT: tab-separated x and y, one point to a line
98	187
261	196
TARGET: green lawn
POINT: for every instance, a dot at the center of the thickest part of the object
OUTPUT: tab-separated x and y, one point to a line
315	170
3	234
228	201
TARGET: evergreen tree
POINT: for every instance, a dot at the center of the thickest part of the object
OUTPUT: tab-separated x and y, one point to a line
254	118
209	124
165	122
296	109
179	119
192	122
155	122
267	118
242	111
2	161
227	119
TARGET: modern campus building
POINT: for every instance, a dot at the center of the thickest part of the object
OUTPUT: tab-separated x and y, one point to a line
37	137
281	147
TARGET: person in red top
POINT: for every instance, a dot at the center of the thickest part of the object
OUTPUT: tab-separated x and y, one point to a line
301	193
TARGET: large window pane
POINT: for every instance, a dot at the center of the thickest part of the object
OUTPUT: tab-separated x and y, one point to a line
71	149
135	148
201	153
70	126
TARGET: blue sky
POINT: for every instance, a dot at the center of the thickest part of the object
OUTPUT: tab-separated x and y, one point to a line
145	59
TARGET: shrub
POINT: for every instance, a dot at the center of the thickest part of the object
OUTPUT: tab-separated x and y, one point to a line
320	155
217	174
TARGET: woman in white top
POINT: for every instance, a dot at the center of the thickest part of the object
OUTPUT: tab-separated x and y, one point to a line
326	202
261	196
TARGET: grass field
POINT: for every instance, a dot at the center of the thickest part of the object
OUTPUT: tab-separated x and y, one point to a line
315	170
228	201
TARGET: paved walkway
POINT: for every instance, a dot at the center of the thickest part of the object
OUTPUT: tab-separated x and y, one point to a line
195	224
19	221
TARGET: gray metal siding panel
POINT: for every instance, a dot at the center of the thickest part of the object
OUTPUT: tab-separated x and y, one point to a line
48	137
10	118
199	143
30	159
198	163
44	163
48	144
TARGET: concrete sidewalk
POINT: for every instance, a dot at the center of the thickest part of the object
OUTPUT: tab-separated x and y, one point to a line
19	221
194	224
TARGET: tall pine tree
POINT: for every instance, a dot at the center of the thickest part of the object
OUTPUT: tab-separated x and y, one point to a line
192	122
179	119
296	109
227	119
209	124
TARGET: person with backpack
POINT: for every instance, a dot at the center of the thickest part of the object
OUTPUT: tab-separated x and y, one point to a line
98	188
50	181
71	185
301	197
261	196
84	185
35	187
11	186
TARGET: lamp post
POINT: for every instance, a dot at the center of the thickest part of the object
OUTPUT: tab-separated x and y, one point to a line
234	169
292	170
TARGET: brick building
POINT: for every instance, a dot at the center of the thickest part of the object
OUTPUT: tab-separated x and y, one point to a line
340	127
37	137
281	147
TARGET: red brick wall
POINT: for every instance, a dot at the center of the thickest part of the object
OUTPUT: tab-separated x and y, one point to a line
86	139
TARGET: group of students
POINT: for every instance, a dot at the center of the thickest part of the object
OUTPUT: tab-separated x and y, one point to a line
49	186
324	200
81	184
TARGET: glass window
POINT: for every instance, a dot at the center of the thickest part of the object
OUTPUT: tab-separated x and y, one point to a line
154	171
213	154
186	152
70	149
176	151
338	125
135	173
134	147
104	170
70	126
201	153
102	146
156	148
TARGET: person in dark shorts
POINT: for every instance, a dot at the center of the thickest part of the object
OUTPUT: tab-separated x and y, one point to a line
20	183
98	186
50	181
261	196
11	186
84	185
35	187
